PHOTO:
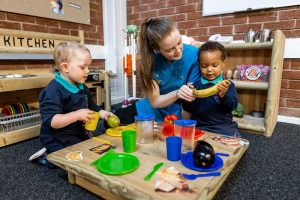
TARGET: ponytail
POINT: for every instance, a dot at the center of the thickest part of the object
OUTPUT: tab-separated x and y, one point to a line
153	31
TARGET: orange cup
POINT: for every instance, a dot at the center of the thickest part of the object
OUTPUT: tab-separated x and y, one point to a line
92	124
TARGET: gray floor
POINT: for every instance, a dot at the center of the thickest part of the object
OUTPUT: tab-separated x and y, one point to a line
270	169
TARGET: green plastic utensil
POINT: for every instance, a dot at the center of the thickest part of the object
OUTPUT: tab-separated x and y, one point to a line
155	168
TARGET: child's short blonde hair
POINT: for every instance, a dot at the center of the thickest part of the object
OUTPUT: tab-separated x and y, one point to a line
65	51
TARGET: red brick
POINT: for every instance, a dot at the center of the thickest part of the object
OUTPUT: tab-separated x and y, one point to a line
34	28
282	102
194	15
178	18
186	8
292	33
288	93
20	18
133	16
91	41
47	22
297	23
141	8
166	11
93	13
295	64
233	20
292	112
294	84
263	16
282	25
209	21
201	38
2	16
194	1
286	64
289	14
96	20
95	6
246	27
10	25
131	3
197	31
238	36
187	24
294	75
157	5
221	30
58	31
69	25
145	15
172	3
293	103
91	35
86	27
284	83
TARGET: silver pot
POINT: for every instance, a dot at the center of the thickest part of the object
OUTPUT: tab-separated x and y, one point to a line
250	36
264	35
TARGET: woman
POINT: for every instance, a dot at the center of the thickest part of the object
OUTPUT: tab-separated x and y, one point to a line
166	67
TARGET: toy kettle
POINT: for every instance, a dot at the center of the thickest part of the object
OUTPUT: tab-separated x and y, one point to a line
264	35
250	36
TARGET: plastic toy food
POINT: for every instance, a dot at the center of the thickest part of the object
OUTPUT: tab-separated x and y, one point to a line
203	155
168	126
113	121
207	92
170	118
239	111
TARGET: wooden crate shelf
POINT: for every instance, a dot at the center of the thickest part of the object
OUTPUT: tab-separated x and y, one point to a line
251	123
251	85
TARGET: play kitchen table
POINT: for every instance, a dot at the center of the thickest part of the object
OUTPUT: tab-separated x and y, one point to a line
132	185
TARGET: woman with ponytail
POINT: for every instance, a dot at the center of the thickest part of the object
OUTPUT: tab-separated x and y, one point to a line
166	66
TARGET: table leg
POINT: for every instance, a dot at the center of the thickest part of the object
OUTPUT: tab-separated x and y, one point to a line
71	178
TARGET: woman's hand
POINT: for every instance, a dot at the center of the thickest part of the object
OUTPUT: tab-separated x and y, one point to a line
185	93
223	87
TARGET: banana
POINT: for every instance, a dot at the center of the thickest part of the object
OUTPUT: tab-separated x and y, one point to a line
207	92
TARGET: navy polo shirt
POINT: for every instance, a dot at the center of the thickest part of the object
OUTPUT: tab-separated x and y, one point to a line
214	113
61	97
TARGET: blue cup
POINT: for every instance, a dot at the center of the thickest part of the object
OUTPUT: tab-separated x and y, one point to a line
173	148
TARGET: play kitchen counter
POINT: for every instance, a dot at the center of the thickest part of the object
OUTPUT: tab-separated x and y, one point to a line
25	88
132	185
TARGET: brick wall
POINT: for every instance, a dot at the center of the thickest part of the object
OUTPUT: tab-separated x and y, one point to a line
187	14
93	33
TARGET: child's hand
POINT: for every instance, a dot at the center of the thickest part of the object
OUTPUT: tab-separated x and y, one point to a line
84	114
185	93
105	114
223	87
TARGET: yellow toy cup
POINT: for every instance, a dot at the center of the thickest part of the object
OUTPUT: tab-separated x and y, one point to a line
92	124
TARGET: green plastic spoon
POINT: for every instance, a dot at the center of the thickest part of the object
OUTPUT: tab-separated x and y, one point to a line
155	168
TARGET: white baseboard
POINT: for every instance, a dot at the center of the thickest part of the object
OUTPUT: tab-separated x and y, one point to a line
287	119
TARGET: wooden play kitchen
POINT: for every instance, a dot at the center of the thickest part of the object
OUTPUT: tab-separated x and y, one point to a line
22	87
132	185
262	97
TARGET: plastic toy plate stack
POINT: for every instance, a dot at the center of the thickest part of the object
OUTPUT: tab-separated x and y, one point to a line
116	163
188	162
117	131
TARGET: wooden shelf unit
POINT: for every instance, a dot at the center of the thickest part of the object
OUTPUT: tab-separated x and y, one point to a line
259	96
14	90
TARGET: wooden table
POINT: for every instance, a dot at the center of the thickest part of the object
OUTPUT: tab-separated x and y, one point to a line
132	185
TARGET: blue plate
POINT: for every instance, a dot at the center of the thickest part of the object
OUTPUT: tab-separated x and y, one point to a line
188	161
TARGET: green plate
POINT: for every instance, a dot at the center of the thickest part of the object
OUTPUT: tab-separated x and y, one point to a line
117	163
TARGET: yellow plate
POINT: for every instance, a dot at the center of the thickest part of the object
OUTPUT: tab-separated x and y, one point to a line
117	132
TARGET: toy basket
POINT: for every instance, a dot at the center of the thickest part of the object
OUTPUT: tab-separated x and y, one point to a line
19	121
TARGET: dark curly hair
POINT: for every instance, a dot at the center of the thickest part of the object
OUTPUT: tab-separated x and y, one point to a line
213	46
